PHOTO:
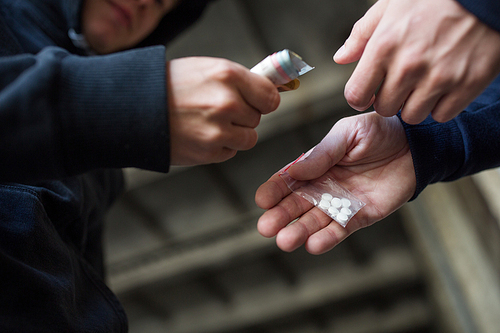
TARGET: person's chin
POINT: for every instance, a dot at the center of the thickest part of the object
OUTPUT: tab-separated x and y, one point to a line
103	41
101	47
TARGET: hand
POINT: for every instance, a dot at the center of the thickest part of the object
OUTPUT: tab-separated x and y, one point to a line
369	155
427	56
214	107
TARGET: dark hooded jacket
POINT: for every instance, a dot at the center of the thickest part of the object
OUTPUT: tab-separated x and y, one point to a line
68	123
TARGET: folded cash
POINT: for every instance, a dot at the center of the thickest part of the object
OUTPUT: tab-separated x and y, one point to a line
283	68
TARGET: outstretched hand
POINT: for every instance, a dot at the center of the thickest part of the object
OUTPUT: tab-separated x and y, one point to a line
369	155
424	57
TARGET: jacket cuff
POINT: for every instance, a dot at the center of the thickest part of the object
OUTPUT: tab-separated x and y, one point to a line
488	11
437	150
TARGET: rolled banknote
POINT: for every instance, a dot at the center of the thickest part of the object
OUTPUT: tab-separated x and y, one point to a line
283	68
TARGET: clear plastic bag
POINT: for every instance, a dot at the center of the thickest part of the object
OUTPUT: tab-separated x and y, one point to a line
328	195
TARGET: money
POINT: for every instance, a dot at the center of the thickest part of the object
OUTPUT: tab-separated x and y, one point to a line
283	68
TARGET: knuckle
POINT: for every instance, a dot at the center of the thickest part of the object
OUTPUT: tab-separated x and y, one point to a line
252	120
444	114
412	64
412	58
255	122
440	117
226	71
213	137
226	101
361	29
251	140
385	44
440	79
269	102
358	28
412	117
247	141
383	110
274	101
354	99
229	103
227	154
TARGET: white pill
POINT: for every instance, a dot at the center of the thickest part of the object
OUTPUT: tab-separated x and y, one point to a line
336	202
342	217
346	211
333	211
326	196
324	204
346	203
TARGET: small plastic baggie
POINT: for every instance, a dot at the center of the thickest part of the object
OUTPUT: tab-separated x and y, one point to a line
328	195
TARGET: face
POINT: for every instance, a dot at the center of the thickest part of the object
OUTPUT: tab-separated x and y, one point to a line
114	25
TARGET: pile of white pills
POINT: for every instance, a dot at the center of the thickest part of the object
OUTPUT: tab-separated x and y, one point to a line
339	208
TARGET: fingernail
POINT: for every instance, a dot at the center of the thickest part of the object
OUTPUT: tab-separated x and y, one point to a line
339	52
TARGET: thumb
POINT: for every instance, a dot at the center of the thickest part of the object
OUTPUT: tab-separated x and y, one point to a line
317	161
361	33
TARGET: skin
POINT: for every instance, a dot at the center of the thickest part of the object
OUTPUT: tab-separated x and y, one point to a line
367	154
114	25
217	105
425	57
214	104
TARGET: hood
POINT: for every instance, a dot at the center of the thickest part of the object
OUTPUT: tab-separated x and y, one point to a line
180	18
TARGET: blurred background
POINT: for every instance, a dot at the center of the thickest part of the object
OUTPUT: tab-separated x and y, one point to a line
183	253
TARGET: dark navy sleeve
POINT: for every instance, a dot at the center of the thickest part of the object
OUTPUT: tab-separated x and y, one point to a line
468	144
62	115
488	11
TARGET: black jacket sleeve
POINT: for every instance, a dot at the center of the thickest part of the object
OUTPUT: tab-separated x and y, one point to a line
62	115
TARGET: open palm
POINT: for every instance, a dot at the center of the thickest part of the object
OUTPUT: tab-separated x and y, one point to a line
369	155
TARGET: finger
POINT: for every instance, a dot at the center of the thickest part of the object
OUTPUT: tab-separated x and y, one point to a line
239	138
224	155
245	115
326	238
313	166
443	102
271	192
419	105
360	89
322	157
449	106
297	233
393	93
362	31
275	189
259	92
206	156
278	217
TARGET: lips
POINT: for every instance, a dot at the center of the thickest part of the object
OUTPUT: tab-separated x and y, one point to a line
123	14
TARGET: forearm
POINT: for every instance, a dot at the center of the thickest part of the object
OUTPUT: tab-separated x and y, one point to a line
62	115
